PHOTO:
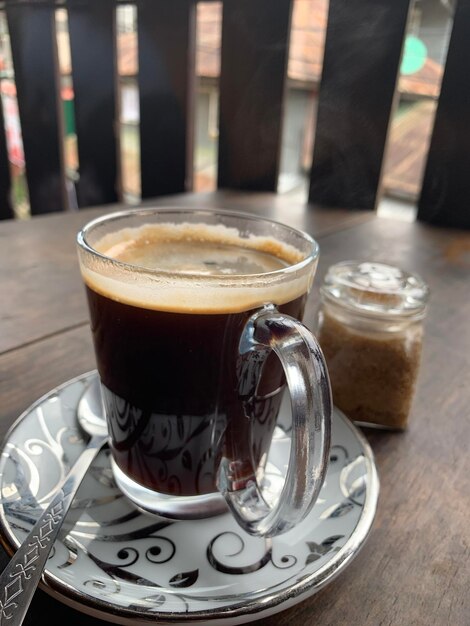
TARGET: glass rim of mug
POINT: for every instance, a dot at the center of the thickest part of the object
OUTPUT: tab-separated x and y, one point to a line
84	244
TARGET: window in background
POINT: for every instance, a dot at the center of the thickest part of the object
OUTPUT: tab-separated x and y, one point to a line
419	86
69	135
307	42
304	71
128	101
8	101
206	132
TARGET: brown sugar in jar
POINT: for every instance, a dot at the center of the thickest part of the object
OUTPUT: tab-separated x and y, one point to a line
370	330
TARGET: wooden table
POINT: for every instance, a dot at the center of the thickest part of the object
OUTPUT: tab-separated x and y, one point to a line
415	566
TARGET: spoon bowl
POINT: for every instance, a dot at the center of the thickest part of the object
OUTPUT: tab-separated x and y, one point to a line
90	411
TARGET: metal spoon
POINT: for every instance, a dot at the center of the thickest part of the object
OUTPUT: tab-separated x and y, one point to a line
23	573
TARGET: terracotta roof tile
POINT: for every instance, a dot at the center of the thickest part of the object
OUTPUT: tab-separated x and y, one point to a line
309	19
208	38
127	61
426	82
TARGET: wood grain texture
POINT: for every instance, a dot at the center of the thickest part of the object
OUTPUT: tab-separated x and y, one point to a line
93	55
442	259
166	75
362	56
40	275
414	568
34	51
40	279
255	38
446	184
29	373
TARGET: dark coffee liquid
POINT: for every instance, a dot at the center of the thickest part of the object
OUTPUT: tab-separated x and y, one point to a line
168	427
171	391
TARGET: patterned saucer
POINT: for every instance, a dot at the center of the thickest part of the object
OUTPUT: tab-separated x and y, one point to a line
114	562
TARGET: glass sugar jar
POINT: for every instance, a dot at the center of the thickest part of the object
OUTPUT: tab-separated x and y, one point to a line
370	328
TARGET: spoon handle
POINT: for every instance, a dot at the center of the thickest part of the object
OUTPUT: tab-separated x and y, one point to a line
19	579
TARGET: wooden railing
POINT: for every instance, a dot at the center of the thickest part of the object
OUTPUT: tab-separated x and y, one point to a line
363	50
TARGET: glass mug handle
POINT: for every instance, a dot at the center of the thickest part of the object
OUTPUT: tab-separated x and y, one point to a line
310	394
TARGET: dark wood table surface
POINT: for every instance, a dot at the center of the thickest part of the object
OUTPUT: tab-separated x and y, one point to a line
415	566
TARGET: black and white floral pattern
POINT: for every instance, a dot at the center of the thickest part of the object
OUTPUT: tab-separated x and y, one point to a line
115	560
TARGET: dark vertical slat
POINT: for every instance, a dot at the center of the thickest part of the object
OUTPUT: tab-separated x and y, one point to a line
93	52
361	62
446	184
255	39
6	210
166	32
34	51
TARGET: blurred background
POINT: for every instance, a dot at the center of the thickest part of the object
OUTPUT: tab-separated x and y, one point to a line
424	55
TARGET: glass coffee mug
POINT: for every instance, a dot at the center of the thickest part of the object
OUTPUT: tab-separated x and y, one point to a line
194	315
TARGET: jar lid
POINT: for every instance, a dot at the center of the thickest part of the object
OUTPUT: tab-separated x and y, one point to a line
376	289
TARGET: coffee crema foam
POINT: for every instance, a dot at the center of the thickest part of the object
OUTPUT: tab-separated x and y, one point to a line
191	257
